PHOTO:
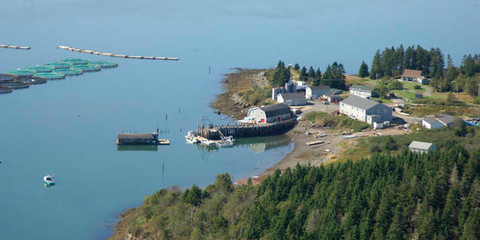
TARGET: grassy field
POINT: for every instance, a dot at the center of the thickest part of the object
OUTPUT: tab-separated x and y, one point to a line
339	122
366	147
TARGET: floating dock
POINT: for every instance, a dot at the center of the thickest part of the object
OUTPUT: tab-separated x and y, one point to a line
114	54
141	139
14	47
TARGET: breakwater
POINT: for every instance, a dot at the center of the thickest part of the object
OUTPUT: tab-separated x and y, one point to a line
114	54
246	130
14	47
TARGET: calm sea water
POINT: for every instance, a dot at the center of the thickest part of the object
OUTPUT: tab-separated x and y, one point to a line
68	127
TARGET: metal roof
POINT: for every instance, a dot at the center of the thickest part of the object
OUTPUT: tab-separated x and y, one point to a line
293	96
445	119
430	120
276	109
361	88
319	87
420	145
359	102
135	136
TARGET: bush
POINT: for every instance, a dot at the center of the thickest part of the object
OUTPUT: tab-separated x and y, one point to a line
417	87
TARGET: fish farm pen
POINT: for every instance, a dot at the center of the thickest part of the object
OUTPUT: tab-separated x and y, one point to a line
24	77
246	130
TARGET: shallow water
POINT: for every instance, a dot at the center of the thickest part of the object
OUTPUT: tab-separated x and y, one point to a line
68	127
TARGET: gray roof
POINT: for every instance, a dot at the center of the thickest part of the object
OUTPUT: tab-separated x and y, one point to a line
319	87
361	88
445	119
329	94
420	145
276	109
293	96
135	136
430	120
359	102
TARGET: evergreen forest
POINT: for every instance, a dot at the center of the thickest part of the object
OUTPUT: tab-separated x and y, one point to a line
404	196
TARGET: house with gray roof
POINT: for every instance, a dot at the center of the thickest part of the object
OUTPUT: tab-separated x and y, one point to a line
421	147
269	114
292	99
314	92
365	110
361	91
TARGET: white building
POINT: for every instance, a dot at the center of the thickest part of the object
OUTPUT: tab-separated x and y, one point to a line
365	110
276	91
431	123
361	91
410	75
421	147
441	120
269	114
314	92
292	99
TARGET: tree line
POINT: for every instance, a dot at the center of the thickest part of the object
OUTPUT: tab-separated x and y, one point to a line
391	63
407	196
334	75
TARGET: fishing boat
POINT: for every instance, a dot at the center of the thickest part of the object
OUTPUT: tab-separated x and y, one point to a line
49	180
192	138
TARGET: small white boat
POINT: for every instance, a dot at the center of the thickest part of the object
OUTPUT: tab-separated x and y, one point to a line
49	180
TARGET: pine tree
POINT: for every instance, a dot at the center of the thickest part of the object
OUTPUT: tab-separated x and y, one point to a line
375	71
363	71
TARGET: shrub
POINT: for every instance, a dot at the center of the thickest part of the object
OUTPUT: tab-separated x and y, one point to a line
417	86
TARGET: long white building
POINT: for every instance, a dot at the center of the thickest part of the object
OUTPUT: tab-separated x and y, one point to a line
365	110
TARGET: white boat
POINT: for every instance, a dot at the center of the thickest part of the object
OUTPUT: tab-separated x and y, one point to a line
207	142
49	180
226	142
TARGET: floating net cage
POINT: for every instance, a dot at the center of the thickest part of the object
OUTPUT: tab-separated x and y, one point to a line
21	73
50	75
104	64
6	78
16	85
69	71
76	61
41	69
87	68
59	65
31	81
5	89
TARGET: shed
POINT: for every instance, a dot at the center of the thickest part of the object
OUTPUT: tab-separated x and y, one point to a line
292	99
332	97
421	147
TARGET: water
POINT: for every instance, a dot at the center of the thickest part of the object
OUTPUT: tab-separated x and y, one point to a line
68	127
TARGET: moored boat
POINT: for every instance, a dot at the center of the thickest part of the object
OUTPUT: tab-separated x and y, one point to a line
49	180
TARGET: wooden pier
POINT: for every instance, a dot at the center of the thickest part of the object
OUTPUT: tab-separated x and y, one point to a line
248	130
115	55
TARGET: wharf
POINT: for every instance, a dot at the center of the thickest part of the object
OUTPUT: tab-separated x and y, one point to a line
246	130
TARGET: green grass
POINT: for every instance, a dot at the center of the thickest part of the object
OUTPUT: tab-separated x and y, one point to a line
341	122
411	86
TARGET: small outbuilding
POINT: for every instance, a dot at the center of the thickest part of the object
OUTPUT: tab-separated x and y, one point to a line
421	147
332	97
445	119
292	99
